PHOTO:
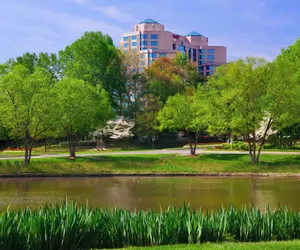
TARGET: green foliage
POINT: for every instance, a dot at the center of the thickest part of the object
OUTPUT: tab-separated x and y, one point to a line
146	120
80	108
72	227
183	112
93	58
26	104
246	99
237	146
49	62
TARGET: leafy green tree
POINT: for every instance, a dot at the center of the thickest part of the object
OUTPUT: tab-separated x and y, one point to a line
93	58
146	120
245	100
49	62
26	103
80	109
183	113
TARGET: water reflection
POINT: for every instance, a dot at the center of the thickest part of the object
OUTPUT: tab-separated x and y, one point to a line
151	192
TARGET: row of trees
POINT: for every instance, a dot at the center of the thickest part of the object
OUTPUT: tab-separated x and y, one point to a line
75	92
249	98
65	95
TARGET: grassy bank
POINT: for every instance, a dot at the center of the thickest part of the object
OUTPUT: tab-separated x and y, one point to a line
155	164
72	227
284	245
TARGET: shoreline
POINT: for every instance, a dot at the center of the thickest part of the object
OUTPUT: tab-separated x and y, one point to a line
151	174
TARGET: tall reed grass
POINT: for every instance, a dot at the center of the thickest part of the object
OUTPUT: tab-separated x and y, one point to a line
72	227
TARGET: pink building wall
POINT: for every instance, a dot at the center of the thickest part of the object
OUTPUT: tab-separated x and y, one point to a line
207	57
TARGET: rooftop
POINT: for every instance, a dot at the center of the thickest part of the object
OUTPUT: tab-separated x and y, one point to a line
193	33
149	20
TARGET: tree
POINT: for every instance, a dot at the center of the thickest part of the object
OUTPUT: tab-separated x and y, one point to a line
80	109
146	121
135	82
167	77
245	100
182	112
93	58
49	62
26	103
115	129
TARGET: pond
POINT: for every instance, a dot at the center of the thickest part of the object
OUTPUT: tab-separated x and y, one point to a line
151	192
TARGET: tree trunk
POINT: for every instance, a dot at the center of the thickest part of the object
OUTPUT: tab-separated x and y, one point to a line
192	148
71	147
45	145
153	139
26	145
29	157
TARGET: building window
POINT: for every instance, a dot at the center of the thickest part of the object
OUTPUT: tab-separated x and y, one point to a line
210	51
211	57
201	57
162	54
154	36
174	46
181	48
133	44
209	67
125	45
209	73
133	38
201	62
154	43
210	62
144	36
134	50
200	68
153	55
144	48
189	53
201	51
125	38
144	43
194	55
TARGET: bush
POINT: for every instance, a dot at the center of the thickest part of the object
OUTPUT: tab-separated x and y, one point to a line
238	145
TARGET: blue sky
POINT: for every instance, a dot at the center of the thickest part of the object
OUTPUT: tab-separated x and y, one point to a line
247	27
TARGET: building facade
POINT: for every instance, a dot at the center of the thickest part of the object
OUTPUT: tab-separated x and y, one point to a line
151	41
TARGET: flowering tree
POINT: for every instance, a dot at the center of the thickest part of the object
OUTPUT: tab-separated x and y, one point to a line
115	129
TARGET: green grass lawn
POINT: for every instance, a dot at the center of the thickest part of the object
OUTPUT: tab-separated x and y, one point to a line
284	245
155	164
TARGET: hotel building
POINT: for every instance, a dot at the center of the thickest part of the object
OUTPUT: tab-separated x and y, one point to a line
150	39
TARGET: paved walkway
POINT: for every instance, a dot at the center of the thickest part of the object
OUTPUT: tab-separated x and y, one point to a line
152	152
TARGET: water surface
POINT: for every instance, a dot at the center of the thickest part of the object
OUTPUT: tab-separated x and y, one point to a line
151	192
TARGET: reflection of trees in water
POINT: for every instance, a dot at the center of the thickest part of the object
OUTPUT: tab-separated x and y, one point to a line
275	191
151	192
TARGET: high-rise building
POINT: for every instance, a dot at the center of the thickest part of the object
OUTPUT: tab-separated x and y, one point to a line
151	41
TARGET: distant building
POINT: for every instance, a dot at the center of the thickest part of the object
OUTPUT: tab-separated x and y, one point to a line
151	41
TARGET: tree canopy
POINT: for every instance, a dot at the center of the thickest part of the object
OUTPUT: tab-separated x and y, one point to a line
25	104
80	109
94	59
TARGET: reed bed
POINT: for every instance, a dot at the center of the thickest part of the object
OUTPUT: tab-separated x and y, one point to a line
70	226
